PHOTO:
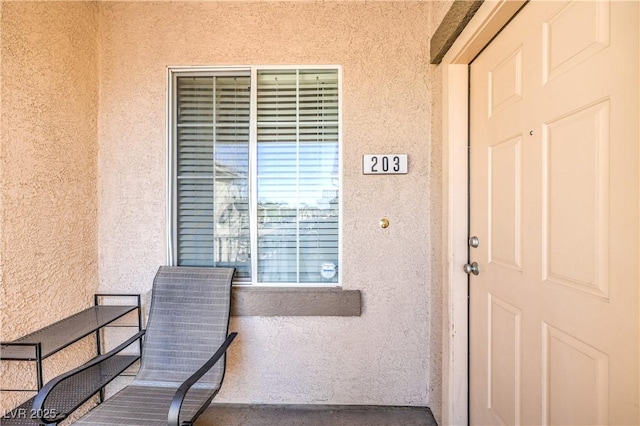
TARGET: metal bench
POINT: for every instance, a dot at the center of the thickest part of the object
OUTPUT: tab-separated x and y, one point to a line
43	343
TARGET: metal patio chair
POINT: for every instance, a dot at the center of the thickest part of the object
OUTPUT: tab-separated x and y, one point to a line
183	356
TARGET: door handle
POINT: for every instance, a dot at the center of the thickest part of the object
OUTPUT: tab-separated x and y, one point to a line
471	268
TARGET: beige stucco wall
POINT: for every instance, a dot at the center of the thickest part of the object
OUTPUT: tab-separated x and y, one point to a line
389	354
48	170
83	175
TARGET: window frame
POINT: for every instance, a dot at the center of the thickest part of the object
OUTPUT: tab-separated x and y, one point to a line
173	72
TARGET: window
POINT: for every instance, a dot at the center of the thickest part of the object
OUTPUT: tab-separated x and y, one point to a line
255	174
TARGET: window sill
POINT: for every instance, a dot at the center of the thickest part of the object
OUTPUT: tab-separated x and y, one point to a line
295	301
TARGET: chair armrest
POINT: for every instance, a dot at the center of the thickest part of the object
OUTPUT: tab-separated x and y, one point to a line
178	398
43	394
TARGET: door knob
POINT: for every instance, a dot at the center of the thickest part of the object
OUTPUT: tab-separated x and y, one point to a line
474	242
471	268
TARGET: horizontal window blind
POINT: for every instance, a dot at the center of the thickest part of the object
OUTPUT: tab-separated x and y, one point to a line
212	172
297	176
294	222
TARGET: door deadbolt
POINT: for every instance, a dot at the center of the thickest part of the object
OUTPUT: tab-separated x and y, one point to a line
474	242
471	268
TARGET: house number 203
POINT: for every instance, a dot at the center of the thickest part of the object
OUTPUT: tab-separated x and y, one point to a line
384	164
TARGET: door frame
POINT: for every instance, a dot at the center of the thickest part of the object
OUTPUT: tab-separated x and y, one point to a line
490	18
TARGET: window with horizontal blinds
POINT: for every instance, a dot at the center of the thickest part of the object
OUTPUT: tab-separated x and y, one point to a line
212	172
297	176
285	204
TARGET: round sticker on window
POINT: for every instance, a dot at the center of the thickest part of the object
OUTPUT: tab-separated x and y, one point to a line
328	270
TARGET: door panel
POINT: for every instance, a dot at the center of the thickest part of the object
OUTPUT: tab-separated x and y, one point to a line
504	187
504	384
570	365
554	325
575	223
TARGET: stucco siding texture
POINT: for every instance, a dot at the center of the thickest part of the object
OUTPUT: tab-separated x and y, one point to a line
381	357
48	170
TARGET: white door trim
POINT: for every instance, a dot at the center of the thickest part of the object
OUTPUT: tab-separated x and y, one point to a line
486	23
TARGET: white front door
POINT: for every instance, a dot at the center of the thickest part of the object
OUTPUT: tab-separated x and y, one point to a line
554	159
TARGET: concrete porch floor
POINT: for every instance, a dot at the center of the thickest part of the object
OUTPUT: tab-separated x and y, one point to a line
314	415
